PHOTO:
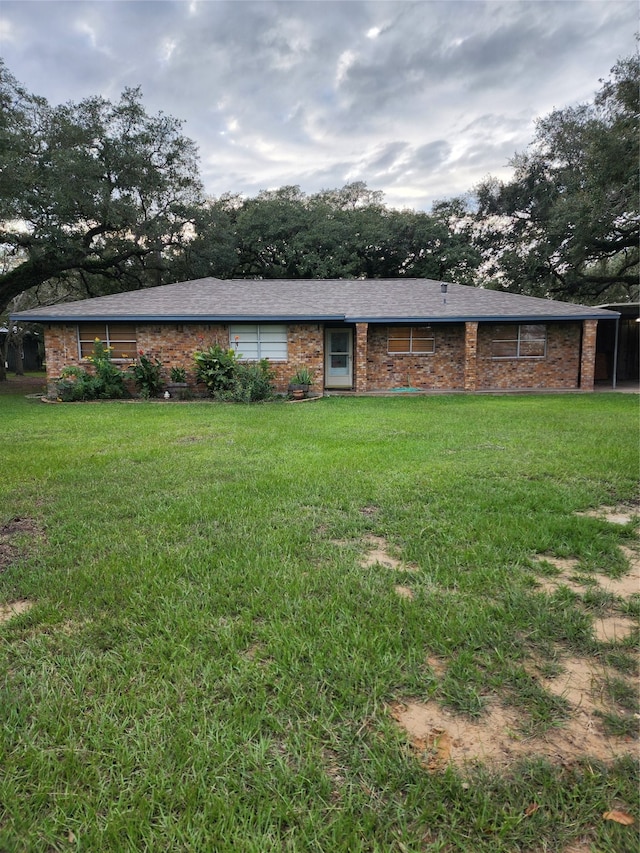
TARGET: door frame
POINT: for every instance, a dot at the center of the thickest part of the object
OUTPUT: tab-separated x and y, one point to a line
337	382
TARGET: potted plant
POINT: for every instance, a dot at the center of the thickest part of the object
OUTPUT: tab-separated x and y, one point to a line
300	383
178	375
176	387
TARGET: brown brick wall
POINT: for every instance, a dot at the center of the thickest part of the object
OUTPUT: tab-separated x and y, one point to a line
470	356
460	361
444	370
305	349
557	370
175	343
588	361
361	357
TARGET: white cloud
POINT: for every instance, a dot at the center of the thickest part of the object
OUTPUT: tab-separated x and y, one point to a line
7	31
167	49
345	62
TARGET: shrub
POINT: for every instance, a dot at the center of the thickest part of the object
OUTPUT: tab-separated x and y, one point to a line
75	384
147	375
106	383
229	380
252	384
216	367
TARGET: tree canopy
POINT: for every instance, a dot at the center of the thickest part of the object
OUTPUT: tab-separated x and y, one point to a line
567	224
340	233
94	193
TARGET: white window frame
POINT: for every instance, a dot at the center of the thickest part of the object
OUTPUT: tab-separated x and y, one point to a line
274	350
519	342
414	333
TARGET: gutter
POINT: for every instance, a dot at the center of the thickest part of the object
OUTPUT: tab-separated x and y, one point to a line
497	318
179	318
306	318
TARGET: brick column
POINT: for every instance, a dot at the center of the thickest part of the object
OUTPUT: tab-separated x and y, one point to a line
588	354
360	371
470	356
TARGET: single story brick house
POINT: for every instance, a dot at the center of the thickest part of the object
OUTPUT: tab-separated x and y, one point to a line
355	335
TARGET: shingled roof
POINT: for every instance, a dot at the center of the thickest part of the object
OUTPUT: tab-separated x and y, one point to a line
415	300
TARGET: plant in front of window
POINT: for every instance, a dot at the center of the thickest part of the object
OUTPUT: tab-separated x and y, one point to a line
147	375
252	384
105	383
231	381
216	368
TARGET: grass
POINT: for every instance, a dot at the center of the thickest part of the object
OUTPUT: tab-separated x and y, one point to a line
208	667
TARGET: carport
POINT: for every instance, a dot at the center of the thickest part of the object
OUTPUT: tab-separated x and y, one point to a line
617	349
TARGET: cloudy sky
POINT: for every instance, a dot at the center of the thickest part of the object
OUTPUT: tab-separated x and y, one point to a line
418	99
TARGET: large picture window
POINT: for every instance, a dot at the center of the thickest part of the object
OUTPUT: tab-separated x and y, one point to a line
121	337
411	339
519	341
254	342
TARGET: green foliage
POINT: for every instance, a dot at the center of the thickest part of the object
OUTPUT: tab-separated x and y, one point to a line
230	380
147	375
342	233
216	368
303	376
105	383
567	224
178	374
252	383
97	188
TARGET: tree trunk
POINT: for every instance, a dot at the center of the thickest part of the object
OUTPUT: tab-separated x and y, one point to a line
18	346
4	352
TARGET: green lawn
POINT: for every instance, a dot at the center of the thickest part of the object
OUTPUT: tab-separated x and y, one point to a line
208	664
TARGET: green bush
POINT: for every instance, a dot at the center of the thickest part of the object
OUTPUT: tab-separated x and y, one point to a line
303	376
232	381
147	375
252	384
216	368
106	383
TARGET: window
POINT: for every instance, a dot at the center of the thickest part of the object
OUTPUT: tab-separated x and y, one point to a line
121	337
411	339
511	341
253	343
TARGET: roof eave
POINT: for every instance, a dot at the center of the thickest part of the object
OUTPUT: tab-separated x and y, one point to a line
494	318
179	318
603	314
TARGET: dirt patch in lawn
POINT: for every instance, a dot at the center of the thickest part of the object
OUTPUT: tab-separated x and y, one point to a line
24	384
569	575
16	537
14	608
404	592
624	513
20	526
8	555
613	629
377	554
439	737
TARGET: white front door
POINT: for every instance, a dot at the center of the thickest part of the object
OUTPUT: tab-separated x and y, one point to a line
338	358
